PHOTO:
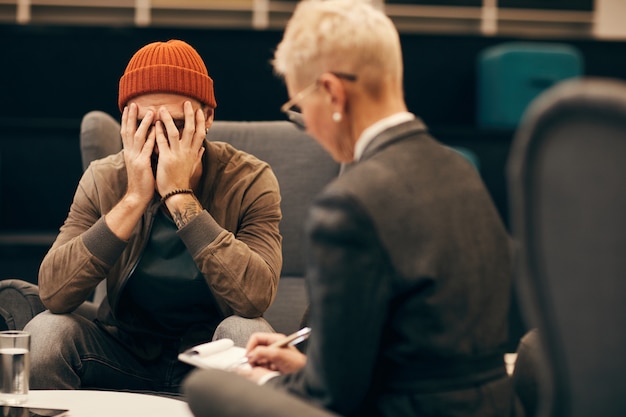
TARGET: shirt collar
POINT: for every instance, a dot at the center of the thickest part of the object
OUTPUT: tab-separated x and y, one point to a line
380	126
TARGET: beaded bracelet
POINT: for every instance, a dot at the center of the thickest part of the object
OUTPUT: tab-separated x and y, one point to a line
176	191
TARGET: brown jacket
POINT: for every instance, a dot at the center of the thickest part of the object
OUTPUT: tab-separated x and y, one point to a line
235	242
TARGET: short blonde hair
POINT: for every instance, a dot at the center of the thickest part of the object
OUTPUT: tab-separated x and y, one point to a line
348	36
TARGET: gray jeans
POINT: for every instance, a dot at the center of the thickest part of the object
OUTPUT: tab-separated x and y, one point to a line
69	351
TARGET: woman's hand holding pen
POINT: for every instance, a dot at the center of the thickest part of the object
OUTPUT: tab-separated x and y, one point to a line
284	359
272	353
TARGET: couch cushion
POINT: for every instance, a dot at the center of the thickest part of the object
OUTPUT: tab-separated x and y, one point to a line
302	168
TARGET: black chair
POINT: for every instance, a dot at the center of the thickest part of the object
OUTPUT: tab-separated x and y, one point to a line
567	184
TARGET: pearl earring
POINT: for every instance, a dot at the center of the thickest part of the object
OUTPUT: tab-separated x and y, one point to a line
337	116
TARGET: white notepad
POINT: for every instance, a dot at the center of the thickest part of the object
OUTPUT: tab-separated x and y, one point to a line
220	354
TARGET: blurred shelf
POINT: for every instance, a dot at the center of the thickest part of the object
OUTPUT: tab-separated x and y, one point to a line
270	14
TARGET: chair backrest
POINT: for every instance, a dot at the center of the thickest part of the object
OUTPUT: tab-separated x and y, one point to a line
511	74
99	137
301	166
567	182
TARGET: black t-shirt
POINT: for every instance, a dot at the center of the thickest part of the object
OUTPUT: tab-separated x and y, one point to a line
166	291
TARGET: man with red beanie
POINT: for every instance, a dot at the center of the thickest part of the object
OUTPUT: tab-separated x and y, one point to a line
185	232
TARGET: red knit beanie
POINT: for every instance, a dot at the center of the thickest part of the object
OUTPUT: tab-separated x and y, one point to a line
167	67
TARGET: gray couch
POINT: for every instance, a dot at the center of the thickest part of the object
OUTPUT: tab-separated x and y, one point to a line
301	166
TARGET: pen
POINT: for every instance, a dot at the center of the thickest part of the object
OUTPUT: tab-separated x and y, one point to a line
293	339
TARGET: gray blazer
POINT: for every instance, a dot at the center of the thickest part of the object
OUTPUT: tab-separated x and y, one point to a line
409	277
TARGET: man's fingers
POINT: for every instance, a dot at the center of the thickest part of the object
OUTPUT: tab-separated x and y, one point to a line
170	127
161	139
189	130
144	126
200	132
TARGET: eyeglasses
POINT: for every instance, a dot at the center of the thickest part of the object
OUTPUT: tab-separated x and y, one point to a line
291	109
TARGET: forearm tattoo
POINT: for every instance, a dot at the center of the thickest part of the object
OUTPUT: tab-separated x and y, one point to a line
184	216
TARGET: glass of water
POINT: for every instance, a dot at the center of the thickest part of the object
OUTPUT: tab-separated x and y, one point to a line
14	366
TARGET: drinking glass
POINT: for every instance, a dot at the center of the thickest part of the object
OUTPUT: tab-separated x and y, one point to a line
14	366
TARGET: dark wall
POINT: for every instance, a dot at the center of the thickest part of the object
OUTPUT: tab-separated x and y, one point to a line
64	71
61	72
51	76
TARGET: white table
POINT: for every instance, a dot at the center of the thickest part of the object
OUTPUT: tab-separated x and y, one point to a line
85	403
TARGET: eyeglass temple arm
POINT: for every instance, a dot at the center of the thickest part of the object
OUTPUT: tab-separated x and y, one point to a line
296	118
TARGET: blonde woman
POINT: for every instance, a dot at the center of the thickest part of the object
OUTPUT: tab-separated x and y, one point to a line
409	267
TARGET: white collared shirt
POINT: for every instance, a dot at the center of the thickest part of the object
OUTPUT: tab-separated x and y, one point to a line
374	130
